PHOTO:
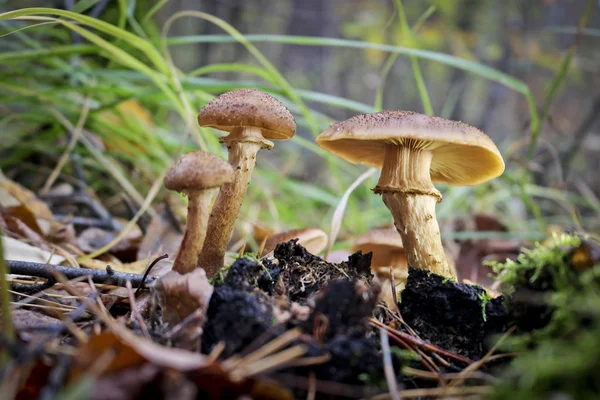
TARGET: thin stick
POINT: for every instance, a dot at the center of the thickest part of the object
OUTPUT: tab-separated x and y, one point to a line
266	364
55	303
306	361
48	271
134	311
156	260
312	386
388	367
422	343
270	347
75	134
216	352
449	376
439	392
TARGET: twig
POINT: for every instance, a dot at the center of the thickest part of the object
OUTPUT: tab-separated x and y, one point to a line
449	376
265	350
74	137
264	365
422	343
325	387
134	311
312	385
156	260
86	221
48	271
388	367
439	392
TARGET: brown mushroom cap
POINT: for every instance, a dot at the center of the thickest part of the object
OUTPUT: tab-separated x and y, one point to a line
462	154
385	243
249	108
312	239
198	170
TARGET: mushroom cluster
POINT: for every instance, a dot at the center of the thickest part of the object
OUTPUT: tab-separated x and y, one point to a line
413	151
252	118
194	175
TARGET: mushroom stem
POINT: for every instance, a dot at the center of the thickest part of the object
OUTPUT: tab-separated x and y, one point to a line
242	157
195	231
407	191
414	218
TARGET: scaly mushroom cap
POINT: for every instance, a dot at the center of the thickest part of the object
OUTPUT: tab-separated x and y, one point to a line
385	243
249	108
198	170
312	239
462	154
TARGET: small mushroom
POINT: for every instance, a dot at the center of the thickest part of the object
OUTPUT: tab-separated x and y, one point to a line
195	175
388	251
251	117
413	151
312	239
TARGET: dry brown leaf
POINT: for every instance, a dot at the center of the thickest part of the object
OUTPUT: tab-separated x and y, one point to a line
25	197
17	250
20	229
36	381
127	383
23	214
181	295
133	350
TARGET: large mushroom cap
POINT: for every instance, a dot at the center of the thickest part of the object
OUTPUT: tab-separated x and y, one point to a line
385	243
249	108
312	239
198	170
462	154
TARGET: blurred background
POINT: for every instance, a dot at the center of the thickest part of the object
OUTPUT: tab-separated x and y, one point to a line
526	72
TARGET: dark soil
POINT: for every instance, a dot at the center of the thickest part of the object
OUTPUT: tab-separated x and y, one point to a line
341	297
449	314
300	275
241	313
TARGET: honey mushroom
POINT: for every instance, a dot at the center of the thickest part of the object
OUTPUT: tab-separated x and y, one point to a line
387	253
195	175
312	239
413	151
252	118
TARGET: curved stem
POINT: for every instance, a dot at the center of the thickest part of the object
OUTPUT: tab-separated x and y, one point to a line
414	218
242	157
195	231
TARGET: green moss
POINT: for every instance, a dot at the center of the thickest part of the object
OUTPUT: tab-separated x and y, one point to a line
485	299
560	360
550	258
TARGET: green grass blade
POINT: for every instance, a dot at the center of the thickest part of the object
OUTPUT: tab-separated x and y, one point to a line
83	5
456	62
159	4
36	54
560	78
422	88
146	47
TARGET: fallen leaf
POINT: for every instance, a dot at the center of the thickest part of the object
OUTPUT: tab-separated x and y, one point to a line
11	191
133	350
36	381
17	250
23	214
180	295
